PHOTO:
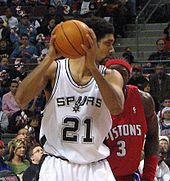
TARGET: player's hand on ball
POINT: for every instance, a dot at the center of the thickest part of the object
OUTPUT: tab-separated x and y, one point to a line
52	52
91	50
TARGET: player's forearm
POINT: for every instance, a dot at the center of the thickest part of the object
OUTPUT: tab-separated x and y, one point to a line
113	96
32	85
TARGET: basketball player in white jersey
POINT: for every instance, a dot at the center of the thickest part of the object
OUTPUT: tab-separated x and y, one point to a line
77	119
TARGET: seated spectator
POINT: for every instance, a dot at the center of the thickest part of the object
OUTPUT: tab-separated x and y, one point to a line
8	17
46	30
4	31
33	127
128	56
5	47
16	160
164	122
137	78
25	51
159	84
35	154
4	83
161	54
164	142
162	171
3	165
53	13
3	122
26	27
9	105
116	13
11	70
167	38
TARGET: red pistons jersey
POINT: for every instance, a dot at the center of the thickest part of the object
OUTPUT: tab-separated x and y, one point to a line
126	137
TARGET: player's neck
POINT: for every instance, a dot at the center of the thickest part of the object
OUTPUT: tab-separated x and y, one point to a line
79	71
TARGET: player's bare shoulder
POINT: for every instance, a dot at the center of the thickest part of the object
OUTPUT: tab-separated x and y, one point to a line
148	103
113	76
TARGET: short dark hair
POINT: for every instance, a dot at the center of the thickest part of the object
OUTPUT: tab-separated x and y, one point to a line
159	40
14	81
24	35
100	26
30	151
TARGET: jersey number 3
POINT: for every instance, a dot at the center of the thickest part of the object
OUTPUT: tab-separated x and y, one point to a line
121	145
71	130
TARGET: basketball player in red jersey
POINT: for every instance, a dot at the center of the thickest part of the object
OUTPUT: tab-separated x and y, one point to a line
129	130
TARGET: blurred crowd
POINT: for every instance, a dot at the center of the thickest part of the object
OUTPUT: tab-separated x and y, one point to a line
24	41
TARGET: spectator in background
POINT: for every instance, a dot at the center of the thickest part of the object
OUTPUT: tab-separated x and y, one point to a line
47	29
4	65
164	142
53	13
161	54
167	38
3	122
5	47
33	127
10	20
116	13
164	122
137	78
159	85
25	51
162	171
35	154
16	160
3	165
9	105
25	27
128	56
4	31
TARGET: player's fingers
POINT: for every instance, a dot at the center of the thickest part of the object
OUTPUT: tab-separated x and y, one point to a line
92	34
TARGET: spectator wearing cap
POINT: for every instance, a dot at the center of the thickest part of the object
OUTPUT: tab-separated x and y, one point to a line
3	165
159	85
25	27
164	141
137	78
164	122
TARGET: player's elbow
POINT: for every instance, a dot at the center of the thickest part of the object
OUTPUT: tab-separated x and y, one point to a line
20	101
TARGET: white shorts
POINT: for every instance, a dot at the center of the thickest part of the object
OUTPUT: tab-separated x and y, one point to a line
56	169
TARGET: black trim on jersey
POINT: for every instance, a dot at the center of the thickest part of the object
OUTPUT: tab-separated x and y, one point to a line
68	72
57	73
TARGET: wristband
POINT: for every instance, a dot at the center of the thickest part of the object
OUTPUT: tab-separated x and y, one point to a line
150	165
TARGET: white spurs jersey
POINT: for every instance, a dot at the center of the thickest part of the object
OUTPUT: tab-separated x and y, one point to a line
76	119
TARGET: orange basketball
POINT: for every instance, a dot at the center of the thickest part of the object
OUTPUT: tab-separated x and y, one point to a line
69	37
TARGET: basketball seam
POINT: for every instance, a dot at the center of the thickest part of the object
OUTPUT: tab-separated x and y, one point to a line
70	41
80	33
